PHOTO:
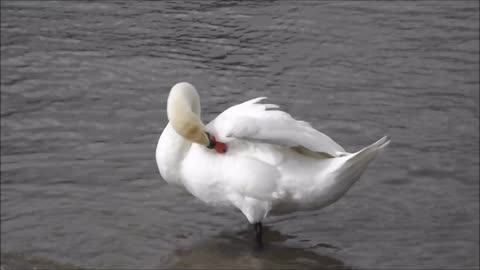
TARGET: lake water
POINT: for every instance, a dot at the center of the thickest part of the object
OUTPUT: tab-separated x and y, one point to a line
83	99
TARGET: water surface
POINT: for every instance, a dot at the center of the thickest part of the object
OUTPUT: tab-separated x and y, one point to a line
83	98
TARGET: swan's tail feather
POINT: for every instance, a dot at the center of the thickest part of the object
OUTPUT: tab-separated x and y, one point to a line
370	152
356	164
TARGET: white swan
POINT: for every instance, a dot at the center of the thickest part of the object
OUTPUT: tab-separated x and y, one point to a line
255	158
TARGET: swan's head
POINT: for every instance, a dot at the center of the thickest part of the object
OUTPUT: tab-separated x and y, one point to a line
183	109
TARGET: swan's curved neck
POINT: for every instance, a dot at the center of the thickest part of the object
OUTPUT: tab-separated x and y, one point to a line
171	150
183	109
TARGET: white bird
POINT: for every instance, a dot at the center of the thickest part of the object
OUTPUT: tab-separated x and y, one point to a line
255	158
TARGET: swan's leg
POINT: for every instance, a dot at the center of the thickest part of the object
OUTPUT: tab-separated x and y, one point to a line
258	233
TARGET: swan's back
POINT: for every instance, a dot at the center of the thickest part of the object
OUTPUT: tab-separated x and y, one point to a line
330	179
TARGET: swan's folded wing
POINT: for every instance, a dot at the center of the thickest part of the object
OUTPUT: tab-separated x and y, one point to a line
263	123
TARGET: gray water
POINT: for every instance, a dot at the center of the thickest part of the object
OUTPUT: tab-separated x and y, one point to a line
83	98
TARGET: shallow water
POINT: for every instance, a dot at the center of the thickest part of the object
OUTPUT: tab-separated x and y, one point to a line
83	91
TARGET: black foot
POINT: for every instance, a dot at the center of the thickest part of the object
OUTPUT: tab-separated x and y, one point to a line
258	234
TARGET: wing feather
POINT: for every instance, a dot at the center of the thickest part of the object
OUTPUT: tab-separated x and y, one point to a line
260	122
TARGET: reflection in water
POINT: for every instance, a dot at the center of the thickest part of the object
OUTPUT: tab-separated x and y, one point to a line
237	250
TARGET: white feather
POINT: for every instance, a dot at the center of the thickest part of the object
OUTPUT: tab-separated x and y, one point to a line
253	121
264	169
